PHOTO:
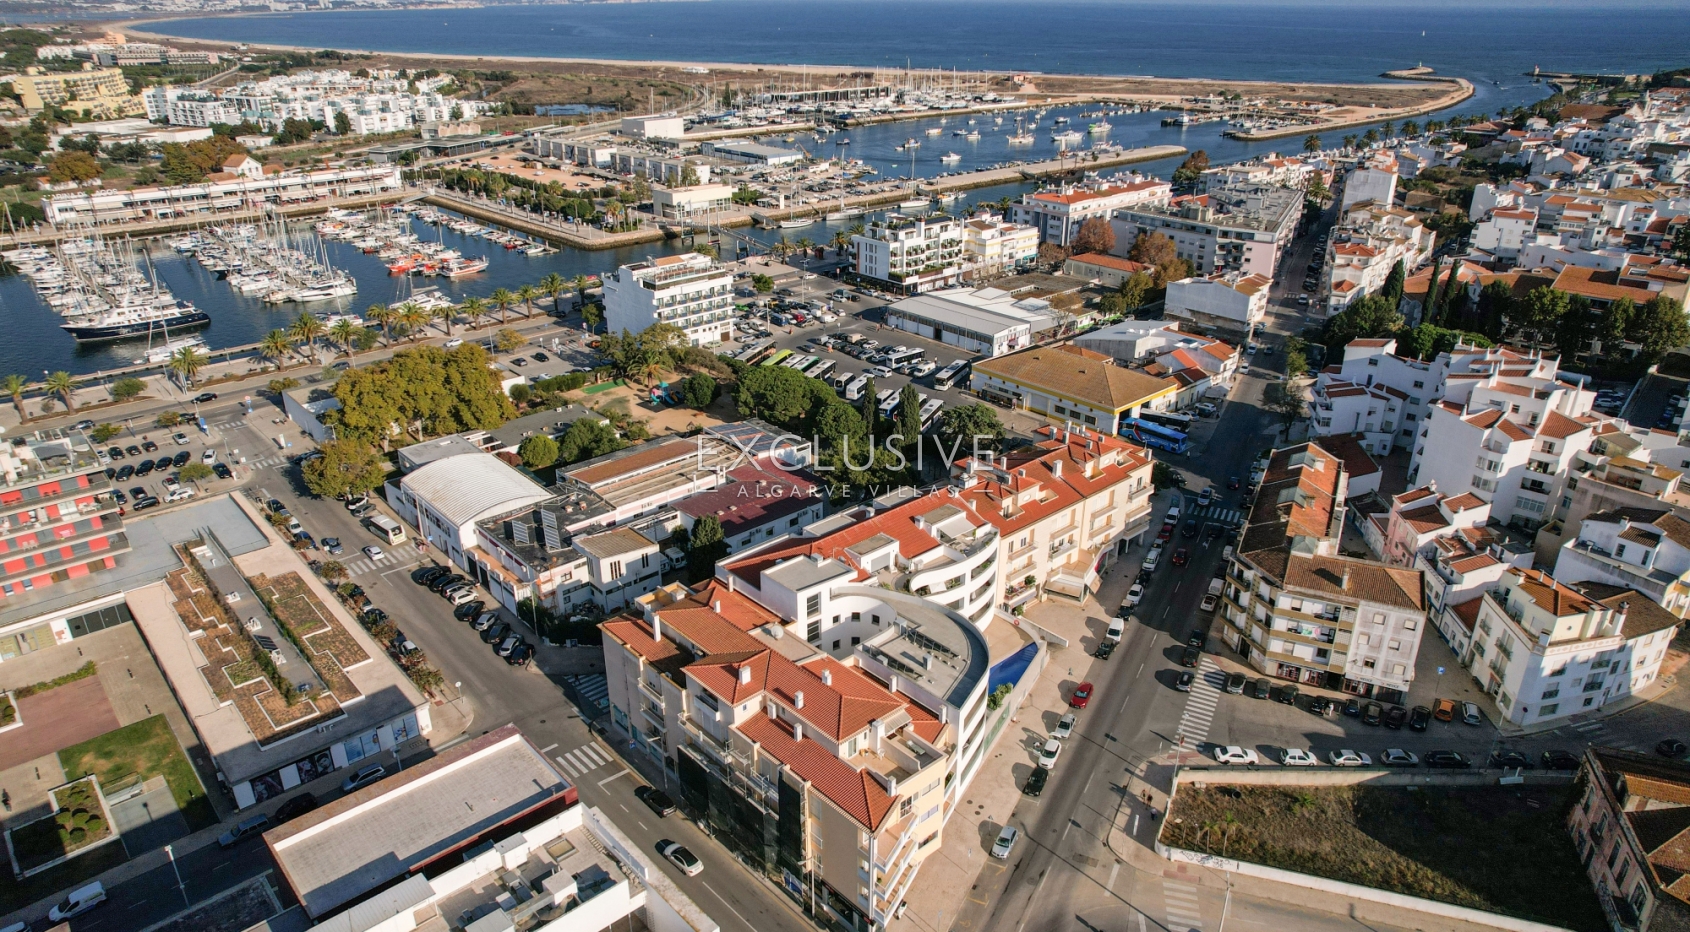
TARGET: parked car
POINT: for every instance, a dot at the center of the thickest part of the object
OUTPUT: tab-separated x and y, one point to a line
245	828
429	574
1235	683
1135	594
1320	705
1446	760
1036	782
1352	707
1443	710
1261	688
1397	757
460	596
468	610
80	900
1064	726
1198	639
295	807
1183	683
1349	758
333	545
1510	760
1558	760
1005	842
363	778
484	621
1297	757
1419	717
1286	694
1233	754
1104	650
523	653
509	645
496	633
1049	753
1372	714
655	799
1470	714
679	856
1190	656
1081	696
1395	716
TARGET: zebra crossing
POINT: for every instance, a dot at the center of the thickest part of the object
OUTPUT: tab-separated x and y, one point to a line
1200	704
1184	914
583	760
1217	514
361	565
590	690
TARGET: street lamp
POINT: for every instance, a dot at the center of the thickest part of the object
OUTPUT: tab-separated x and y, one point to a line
170	852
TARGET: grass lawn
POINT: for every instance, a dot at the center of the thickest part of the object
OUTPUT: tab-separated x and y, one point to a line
1499	849
147	748
78	824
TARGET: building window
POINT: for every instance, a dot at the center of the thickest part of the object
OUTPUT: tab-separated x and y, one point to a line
814	631
615	570
813	604
1547	710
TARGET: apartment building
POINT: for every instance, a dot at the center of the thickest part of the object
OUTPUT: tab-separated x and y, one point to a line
828	770
692	291
185	109
58	518
1647	549
1371	414
102	93
756	503
1512	441
1621	468
1235	228
1057	215
911	254
993	247
1418	519
1628	827
1068	383
1544	650
1231	301
1505	233
1368	243
1065	509
1459	569
1296	609
1371	182
215	196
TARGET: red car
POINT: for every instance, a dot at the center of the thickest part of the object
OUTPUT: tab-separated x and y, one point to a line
1166	532
1082	695
1181	556
1232	482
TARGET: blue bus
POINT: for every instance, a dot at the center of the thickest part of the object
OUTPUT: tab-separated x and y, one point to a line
1153	435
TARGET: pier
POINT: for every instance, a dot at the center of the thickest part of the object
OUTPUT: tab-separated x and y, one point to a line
140	228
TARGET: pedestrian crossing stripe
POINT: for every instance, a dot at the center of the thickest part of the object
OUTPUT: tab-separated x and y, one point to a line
582	760
1216	513
592	690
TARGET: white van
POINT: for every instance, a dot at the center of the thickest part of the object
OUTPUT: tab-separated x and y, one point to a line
81	900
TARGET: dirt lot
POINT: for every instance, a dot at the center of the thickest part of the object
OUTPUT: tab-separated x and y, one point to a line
1500	849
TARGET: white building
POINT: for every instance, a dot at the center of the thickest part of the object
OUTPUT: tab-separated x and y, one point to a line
1543	650
686	203
1646	549
988	321
443	500
1237	228
1369	242
1108	271
1057	215
1375	182
691	291
210	197
1233	301
1505	233
201	110
992	247
911	254
651	127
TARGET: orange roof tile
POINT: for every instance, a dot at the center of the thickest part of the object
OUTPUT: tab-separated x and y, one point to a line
855	792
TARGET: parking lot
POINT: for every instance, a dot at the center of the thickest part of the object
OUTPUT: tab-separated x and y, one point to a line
145	465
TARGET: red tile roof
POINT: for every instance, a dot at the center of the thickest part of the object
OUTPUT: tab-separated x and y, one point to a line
855	792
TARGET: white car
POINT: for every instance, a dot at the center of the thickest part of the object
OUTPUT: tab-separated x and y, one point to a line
1397	757
454	343
1005	842
1152	560
1297	757
1233	754
1117	628
208	457
1206	496
678	855
1135	595
180	495
1052	750
373	552
1349	758
1065	725
1209	603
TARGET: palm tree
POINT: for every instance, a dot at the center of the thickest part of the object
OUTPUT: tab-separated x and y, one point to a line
581	284
804	245
473	308
413	318
526	294
14	386
275	346
502	299
554	285
186	363
63	384
306	329
1204	830
384	315
840	240
344	332
782	247
444	314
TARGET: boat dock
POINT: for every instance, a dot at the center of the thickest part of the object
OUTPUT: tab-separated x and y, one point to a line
141	228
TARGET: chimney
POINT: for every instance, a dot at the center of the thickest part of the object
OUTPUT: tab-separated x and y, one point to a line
656	627
927	661
827	677
745	674
1346	584
798	699
879	732
716	606
798	731
1056	469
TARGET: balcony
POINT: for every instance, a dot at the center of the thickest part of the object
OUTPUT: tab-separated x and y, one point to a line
1062	549
652	694
716	747
97	484
117	543
655	718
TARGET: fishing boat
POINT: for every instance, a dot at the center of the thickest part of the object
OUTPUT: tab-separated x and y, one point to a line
1101	127
455	268
972	136
914	203
950	158
935	130
1059	121
1067	138
912	143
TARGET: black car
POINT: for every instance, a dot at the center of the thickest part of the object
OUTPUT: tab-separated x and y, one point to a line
1372	714
1395	716
139	491
148	446
1671	747
132	450
1419	718
428	574
1190	657
1036	782
496	633
374	616
523	653
1510	760
179	460
1286	694
655	799
1445	760
1352	707
144	469
1261	688
1320	705
1183	683
204	397
468	610
1104	650
163	463
333	545
222	471
144	502
444	582
125	471
1558	760
541	357
276	507
1190	528
295	807
1198	639
111	473
119	497
115	453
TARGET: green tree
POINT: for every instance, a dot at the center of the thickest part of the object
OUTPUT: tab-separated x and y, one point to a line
382	315
276	346
347	467
126	388
762	284
1536	317
473	308
1194	165
554	286
586	439
689	176
706	545
72	166
103	432
1164	476
421	391
1160	253
785	398
526	294
1094	235
1368	317
1296	357
906	418
413	318
592	315
1681	242
1311	143
307	328
502	298
968	428
342	124
1134	289
506	341
538	451
1496	306
1394	282
168	419
345	332
1657	327
1285	400
1576	329
14	386
698	391
1614	323
62	384
871	410
277	386
195	472
186	364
